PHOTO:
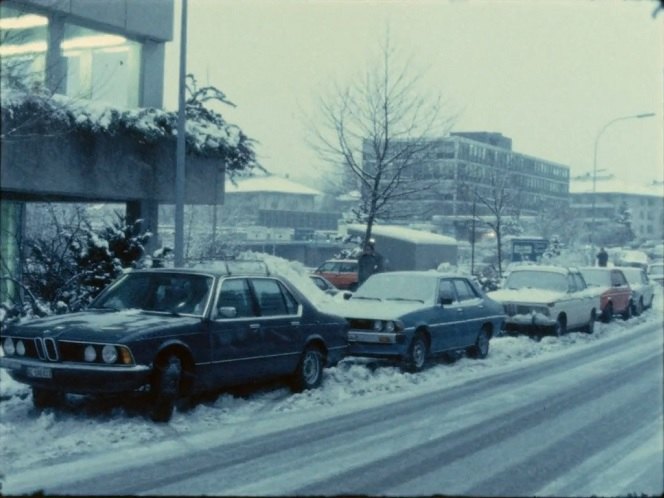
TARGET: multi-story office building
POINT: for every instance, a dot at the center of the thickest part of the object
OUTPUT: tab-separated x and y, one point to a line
464	167
613	201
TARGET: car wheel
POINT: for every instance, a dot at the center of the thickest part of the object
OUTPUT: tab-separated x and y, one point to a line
638	308
417	354
46	398
480	349
590	326
309	373
607	314
560	328
627	313
166	389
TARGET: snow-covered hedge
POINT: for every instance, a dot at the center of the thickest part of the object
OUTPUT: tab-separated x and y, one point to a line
208	134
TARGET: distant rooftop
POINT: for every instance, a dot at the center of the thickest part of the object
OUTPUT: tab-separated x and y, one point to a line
270	183
583	184
488	137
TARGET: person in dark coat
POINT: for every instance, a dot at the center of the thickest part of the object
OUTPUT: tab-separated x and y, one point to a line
602	257
369	262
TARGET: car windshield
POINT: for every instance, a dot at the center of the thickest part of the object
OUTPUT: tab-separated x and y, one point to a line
537	279
600	278
657	268
633	275
168	292
397	287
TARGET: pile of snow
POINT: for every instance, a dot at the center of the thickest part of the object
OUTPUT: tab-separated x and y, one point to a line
86	426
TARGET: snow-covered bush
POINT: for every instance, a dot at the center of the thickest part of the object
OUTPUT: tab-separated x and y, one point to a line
65	269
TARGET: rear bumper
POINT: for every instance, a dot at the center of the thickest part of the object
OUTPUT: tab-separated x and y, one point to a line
77	378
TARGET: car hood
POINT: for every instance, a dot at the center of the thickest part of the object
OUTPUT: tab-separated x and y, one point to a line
113	326
379	310
531	296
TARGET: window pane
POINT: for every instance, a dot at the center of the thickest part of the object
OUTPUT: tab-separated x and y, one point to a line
101	66
270	299
235	293
23	43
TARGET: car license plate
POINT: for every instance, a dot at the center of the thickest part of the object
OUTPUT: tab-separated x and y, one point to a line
40	372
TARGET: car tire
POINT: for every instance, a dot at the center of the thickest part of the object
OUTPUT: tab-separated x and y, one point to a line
309	373
607	314
166	389
417	354
590	326
627	313
560	328
480	349
46	398
638	307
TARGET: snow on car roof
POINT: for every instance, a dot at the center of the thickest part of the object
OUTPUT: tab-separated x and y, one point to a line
404	233
550	268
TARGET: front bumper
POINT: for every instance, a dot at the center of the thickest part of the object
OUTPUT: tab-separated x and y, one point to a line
77	378
377	344
530	324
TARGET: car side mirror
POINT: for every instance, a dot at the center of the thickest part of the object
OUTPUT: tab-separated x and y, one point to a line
445	300
228	311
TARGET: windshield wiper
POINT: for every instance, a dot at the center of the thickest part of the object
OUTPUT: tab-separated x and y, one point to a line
104	308
404	299
366	297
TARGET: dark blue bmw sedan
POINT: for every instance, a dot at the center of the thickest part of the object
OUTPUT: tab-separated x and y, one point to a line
412	315
172	333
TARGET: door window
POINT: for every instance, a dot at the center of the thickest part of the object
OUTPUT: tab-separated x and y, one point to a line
446	293
235	293
580	283
464	290
271	299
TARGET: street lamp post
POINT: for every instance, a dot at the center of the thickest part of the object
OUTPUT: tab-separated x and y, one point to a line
599	134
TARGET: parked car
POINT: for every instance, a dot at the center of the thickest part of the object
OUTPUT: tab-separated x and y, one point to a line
173	333
542	299
616	294
643	289
324	284
632	258
656	272
342	273
410	316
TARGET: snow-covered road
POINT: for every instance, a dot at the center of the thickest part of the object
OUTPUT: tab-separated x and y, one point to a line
579	415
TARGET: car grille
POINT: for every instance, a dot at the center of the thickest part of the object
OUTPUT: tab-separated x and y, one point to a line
361	324
517	309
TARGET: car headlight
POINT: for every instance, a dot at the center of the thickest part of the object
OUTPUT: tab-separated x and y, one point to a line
389	326
20	348
90	353
378	325
109	354
8	346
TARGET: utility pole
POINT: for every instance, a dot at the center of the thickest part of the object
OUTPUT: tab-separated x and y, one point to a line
181	145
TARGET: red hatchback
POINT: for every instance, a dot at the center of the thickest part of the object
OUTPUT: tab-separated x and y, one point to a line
341	272
616	294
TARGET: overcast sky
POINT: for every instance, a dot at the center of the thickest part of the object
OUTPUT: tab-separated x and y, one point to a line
547	74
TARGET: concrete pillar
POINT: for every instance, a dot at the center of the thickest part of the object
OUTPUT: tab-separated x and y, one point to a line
56	70
148	211
152	75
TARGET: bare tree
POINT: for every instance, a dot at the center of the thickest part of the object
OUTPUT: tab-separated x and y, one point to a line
498	202
377	129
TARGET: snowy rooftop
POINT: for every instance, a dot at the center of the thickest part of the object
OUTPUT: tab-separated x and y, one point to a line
269	184
612	185
403	233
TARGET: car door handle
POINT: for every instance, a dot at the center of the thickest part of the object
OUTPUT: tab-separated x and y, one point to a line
254	325
295	323
459	309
